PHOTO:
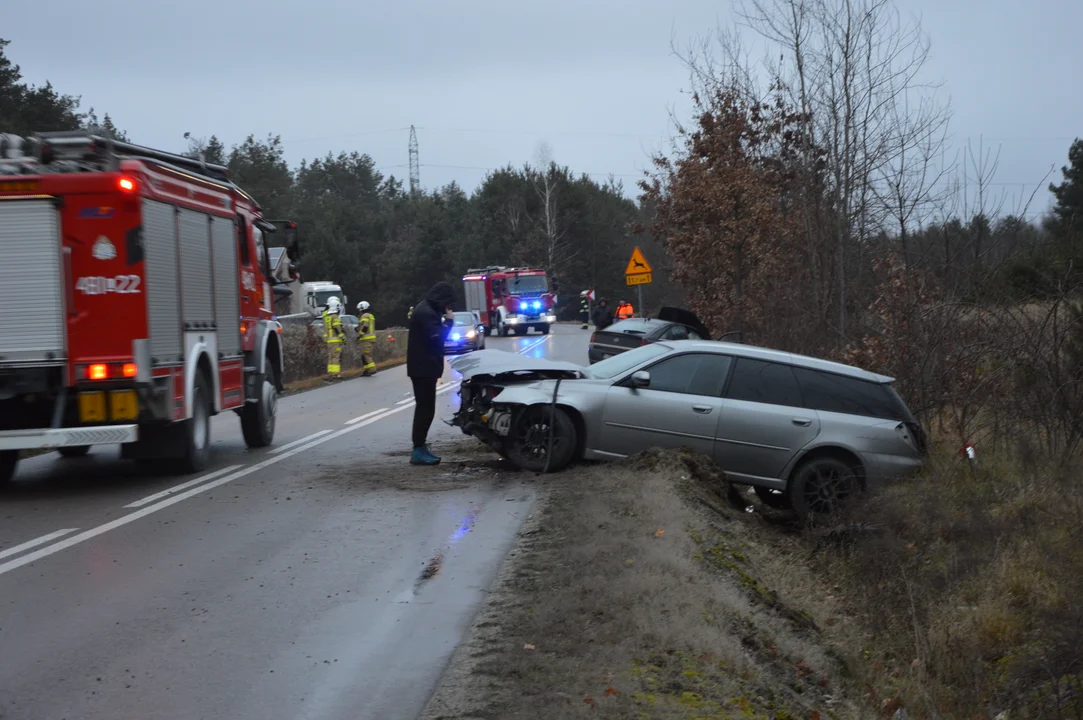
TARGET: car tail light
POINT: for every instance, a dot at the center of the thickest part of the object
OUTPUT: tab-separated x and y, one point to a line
592	338
98	371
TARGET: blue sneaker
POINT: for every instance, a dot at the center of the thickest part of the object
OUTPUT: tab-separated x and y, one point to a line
422	456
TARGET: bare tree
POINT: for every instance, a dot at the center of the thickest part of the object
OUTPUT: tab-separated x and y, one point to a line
557	250
873	132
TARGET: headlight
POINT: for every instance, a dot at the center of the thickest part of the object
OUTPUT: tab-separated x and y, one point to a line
471	334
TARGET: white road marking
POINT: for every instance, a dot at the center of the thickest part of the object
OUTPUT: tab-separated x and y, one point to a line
403	402
363	417
173	496
35	542
179	497
287	446
183	486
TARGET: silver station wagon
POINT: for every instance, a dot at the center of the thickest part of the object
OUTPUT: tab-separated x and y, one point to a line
805	433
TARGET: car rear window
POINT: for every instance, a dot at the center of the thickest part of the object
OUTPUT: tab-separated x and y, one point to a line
852	396
636	326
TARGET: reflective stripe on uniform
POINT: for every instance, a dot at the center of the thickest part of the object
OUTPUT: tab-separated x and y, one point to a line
367	325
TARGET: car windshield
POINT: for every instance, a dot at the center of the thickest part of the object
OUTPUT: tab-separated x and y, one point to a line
527	284
611	367
463	319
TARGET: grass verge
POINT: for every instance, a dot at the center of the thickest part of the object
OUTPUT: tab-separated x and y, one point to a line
638	591
297	386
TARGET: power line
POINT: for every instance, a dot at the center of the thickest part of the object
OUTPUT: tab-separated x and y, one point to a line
345	135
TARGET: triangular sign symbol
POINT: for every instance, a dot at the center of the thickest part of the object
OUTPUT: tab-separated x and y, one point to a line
638	265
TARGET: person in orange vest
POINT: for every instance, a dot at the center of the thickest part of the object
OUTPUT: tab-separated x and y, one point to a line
624	310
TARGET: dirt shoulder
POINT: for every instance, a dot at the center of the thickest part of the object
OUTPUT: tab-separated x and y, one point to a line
638	590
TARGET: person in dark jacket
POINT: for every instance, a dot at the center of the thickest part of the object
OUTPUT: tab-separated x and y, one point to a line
430	322
603	317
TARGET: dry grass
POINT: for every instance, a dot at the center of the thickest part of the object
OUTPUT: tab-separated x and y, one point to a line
637	591
306	352
970	591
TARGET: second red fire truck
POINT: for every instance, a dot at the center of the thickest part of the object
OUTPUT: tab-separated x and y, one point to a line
135	302
511	299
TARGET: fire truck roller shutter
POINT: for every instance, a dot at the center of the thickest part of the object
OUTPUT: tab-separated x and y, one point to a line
197	293
162	283
197	298
227	309
32	319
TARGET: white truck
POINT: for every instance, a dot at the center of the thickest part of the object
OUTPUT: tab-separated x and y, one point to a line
317	293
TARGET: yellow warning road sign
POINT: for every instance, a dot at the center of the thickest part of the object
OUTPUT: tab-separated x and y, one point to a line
638	265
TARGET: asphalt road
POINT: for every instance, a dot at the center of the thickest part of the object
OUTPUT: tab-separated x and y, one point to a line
321	578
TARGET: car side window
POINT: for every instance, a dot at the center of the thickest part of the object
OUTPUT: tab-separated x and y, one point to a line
676	332
764	382
837	393
691	374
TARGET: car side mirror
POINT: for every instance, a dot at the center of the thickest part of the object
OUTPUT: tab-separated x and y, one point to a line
641	379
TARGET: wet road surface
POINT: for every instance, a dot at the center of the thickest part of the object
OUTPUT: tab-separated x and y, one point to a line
323	577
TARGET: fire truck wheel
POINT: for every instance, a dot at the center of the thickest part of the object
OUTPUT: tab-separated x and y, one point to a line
258	419
543	329
197	429
73	451
8	460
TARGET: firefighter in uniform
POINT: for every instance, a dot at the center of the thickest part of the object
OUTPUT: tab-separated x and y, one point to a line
333	335
624	310
584	309
366	334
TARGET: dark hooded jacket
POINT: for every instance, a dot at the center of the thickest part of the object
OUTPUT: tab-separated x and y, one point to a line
425	345
603	316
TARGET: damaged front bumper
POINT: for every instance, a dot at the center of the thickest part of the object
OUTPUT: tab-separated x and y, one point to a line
479	418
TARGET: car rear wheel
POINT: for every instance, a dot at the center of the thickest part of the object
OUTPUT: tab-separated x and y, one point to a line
821	487
73	451
528	443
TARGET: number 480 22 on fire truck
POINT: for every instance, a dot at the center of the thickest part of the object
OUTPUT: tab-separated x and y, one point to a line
135	302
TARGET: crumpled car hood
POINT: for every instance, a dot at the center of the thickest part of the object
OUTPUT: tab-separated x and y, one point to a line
496	363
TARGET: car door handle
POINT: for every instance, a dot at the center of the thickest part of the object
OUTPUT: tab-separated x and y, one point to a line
702	409
803	422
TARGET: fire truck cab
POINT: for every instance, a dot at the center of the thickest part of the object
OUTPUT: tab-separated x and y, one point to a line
511	299
135	302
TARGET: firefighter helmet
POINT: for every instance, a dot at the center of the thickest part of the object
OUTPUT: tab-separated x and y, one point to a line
334	305
363	306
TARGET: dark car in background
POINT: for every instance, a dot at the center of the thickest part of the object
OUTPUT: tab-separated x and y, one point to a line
624	335
466	334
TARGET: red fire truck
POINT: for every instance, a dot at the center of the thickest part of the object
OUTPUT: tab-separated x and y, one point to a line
511	299
135	302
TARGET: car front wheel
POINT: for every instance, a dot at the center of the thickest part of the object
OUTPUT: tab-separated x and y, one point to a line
528	444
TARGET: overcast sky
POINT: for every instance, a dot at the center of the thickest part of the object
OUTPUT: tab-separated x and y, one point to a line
484	81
